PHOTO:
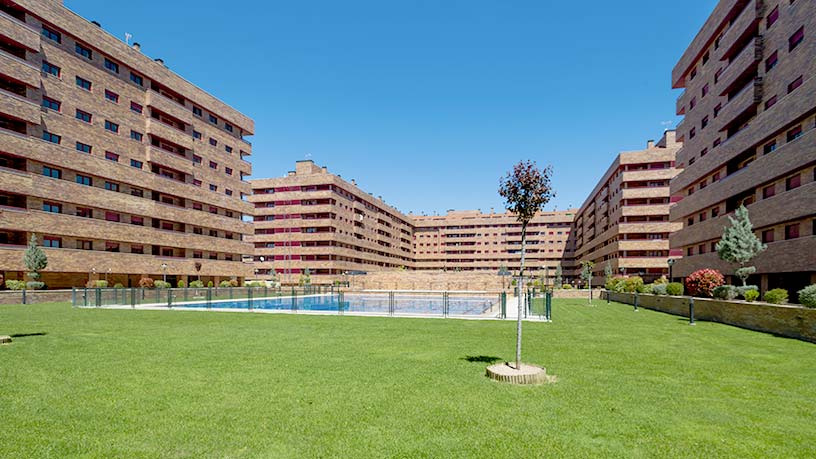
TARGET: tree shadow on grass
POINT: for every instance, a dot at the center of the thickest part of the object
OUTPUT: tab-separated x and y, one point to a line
481	358
25	335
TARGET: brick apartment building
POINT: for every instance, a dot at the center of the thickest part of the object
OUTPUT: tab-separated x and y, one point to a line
317	220
624	221
118	165
749	138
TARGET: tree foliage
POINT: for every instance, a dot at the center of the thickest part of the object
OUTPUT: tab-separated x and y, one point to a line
739	244
34	258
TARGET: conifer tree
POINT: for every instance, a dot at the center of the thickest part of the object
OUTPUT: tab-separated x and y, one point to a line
739	244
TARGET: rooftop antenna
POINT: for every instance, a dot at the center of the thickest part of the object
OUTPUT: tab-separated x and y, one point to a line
127	38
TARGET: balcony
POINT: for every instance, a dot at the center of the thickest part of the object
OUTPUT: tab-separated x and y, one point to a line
741	66
741	105
168	159
20	70
742	27
19	32
19	107
172	134
169	106
680	104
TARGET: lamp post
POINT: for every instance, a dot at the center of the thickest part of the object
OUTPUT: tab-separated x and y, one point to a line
671	263
164	271
106	275
90	275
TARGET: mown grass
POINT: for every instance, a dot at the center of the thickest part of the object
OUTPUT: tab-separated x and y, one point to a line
124	383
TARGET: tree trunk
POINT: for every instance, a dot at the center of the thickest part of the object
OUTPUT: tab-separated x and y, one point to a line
522	296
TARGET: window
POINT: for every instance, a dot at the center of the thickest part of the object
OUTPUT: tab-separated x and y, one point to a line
704	123
51	207
793	182
84	212
795	84
110	186
53	138
136	249
196	159
768	191
111	126
693	73
690	251
112	66
112	217
53	242
705	90
770	102
792	231
51	69
85	245
137	192
196	182
213	119
717	75
84	51
83	147
228	192
111	96
228	170
51	172
197	230
213	165
196	111
717	110
196	135
111	156
197	254
692	103
768	236
136	164
136	79
83	83
213	210
83	116
794	133
138	221
715	212
796	38
228	148
213	142
228	127
213	187
51	34
137	136
771	62
772	17
51	104
111	246
197	206
704	152
135	107
83	180
769	147
692	133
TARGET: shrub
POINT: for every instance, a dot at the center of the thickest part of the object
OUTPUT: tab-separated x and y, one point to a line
807	296
661	280
616	284
660	289
632	284
35	285
224	283
181	284
254	284
100	283
15	284
702	282
751	295
161	284
210	284
118	285
233	283
674	288
725	292
743	289
644	288
776	296
566	286
146	282
196	284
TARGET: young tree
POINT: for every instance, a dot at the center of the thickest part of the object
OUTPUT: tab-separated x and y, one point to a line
526	190
739	245
608	271
34	259
586	274
558	277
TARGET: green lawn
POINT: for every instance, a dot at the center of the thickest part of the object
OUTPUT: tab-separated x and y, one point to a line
125	383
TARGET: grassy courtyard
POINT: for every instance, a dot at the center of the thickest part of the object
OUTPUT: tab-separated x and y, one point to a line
122	383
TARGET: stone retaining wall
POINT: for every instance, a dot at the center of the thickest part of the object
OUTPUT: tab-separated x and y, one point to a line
784	320
34	296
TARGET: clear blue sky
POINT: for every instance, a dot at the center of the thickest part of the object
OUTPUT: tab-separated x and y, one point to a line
428	103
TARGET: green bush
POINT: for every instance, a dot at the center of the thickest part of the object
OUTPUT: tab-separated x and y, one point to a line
660	289
15	284
196	284
100	284
725	292
233	283
254	284
35	285
632	284
118	285
743	289
566	286
225	283
661	280
210	284
776	296
674	288
751	295
161	284
181	284
807	296
644	288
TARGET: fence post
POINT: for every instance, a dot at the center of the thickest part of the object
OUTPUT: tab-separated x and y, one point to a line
98	297
73	297
133	298
548	301
504	305
185	294
249	298
636	302
691	310
209	297
169	297
607	297
24	295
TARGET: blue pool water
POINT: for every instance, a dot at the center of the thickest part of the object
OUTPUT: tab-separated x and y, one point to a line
370	303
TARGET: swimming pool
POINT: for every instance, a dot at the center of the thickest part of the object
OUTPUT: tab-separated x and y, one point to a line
387	303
